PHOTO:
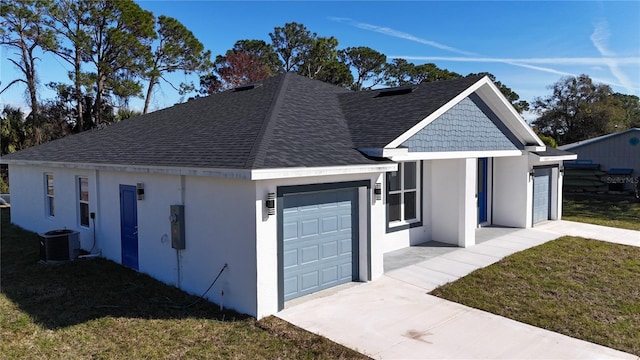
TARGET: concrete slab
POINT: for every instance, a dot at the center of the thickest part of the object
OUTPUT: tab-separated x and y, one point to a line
391	319
448	266
394	317
472	258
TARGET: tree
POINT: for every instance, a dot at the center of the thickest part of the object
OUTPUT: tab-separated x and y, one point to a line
13	132
400	73
262	51
178	50
291	42
70	23
120	35
577	109
321	62
368	64
23	28
629	105
235	69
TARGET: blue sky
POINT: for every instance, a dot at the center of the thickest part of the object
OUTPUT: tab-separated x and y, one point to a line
527	45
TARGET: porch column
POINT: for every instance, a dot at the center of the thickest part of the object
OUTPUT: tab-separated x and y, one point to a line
467	203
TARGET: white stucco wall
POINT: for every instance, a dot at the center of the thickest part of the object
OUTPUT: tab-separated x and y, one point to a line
453	206
219	227
267	239
28	199
512	192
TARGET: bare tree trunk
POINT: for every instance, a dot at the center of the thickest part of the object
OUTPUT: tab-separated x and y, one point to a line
147	100
78	94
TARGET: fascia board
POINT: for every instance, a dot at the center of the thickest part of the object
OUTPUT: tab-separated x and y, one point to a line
243	174
455	155
429	119
493	97
555	158
383	153
240	174
283	173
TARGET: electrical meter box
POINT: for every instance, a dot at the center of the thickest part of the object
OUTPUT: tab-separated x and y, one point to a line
177	226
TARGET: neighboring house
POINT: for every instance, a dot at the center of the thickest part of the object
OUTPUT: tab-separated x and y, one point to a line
617	155
352	175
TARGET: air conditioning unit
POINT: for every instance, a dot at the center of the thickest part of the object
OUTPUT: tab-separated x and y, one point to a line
59	245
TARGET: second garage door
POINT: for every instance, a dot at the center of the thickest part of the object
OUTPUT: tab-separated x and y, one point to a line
541	194
318	241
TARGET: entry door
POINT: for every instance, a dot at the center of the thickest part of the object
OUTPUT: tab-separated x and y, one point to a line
482	190
541	194
129	226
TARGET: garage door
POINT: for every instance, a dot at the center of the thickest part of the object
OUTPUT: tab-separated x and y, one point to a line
541	194
318	236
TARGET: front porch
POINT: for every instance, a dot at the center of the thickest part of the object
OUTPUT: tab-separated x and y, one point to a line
433	264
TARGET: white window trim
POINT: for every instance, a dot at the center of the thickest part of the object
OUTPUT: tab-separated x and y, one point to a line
418	218
80	201
49	198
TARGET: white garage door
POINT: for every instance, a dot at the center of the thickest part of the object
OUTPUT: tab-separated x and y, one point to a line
318	237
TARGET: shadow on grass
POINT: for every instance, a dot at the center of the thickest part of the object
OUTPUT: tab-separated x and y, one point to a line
57	296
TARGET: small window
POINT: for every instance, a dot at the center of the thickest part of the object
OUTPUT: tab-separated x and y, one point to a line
49	199
403	194
83	200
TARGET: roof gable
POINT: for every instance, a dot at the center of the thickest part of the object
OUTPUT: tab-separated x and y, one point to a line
374	121
468	126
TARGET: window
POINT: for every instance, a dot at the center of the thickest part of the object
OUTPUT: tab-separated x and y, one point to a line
83	200
403	194
49	200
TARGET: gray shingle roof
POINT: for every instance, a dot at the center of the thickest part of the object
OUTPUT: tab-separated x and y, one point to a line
287	121
374	121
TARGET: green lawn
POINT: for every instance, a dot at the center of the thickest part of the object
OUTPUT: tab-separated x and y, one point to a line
608	210
98	309
582	288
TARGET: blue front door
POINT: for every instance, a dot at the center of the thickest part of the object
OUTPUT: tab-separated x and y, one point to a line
482	190
129	226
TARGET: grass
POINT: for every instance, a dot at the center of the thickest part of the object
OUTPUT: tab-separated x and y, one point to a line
582	288
98	309
607	210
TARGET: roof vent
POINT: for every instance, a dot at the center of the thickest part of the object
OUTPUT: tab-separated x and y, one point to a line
401	90
246	87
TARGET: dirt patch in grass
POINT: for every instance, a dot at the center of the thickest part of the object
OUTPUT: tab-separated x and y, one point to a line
98	309
582	288
608	210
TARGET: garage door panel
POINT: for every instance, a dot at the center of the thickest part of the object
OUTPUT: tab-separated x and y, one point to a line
322	241
290	231
309	254
290	258
329	224
309	281
345	222
309	227
329	275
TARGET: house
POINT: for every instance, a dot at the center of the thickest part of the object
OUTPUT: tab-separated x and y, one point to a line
294	184
613	158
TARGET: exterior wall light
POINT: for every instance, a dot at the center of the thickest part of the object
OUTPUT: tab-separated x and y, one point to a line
532	173
377	191
140	191
271	203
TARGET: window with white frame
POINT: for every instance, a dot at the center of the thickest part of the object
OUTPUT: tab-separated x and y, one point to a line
49	199
403	194
83	200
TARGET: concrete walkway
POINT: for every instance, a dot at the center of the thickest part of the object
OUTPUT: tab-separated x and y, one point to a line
395	318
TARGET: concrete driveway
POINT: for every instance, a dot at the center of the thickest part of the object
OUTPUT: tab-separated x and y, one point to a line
394	317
